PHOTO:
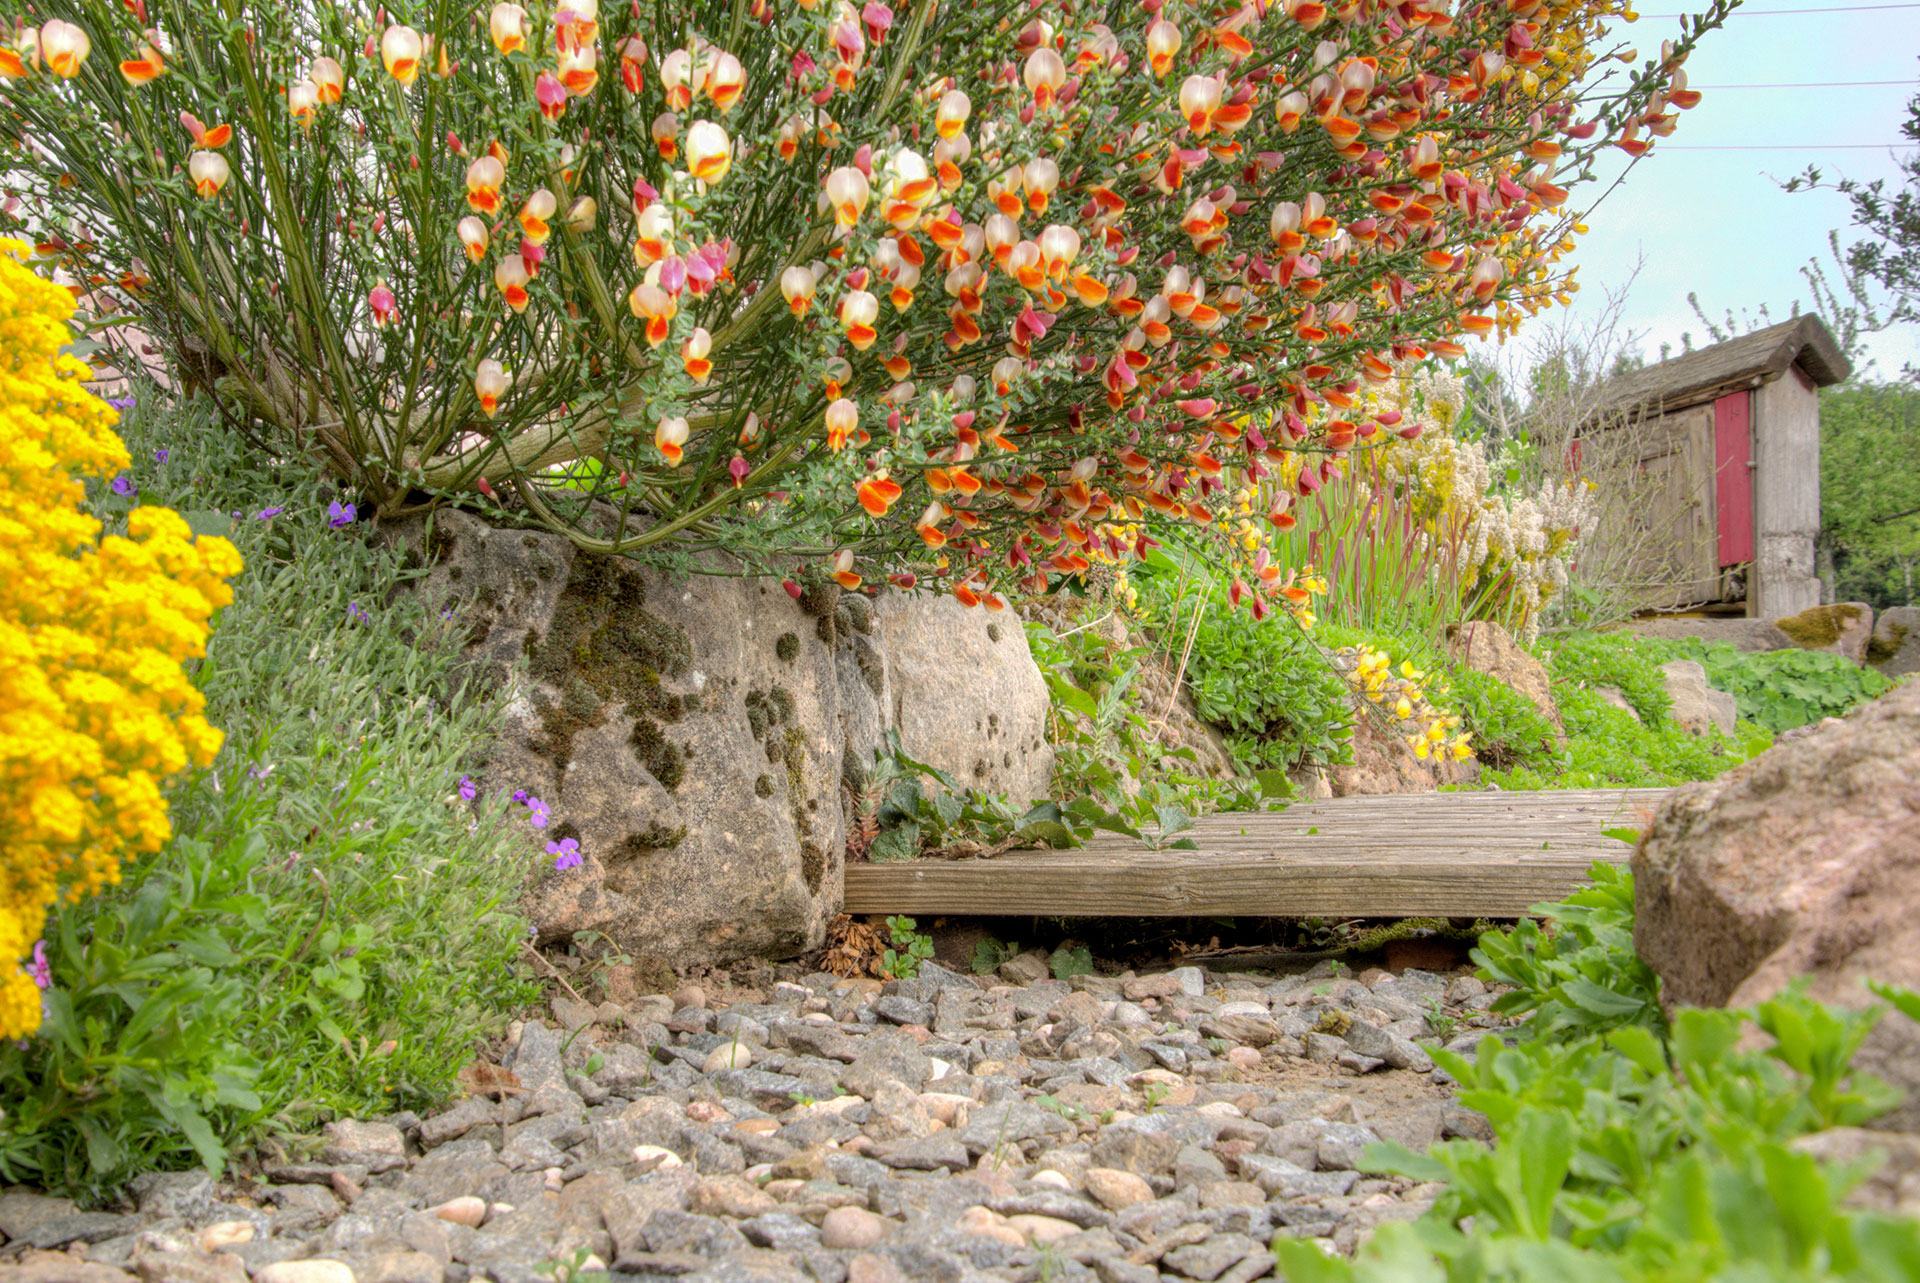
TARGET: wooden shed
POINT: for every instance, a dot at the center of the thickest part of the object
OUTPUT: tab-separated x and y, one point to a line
1716	489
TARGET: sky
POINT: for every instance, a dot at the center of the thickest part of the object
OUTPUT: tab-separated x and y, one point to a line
1696	216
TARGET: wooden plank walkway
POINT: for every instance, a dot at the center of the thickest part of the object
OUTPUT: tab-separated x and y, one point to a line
1405	855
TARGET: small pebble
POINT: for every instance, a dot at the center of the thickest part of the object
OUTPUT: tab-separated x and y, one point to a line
465	1210
851	1229
226	1234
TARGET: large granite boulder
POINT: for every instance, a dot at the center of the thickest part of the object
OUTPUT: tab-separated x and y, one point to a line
701	736
1895	649
1802	862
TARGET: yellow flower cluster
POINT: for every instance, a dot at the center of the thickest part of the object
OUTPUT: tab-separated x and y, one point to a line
92	634
1430	730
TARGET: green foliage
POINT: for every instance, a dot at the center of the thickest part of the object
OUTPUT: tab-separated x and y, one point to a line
1606	745
913	818
1070	960
1265	683
1870	491
989	954
1507	729
1630	1151
327	933
1782	689
1581	975
910	949
1106	749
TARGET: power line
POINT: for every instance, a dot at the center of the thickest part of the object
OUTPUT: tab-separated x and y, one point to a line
1781	13
1782	146
1812	84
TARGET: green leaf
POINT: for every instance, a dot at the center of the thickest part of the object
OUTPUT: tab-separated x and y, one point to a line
205	522
896	845
1630	836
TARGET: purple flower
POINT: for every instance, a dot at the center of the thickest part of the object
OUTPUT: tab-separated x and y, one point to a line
267	514
42	970
520	795
341	515
446	612
121	402
468	789
566	853
356	613
160	455
539	809
124	487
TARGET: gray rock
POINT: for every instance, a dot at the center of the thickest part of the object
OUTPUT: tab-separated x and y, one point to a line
762	1087
173	1193
902	1010
1895	649
774	699
1283	1179
1378	1044
885	1059
1697	707
1341	1144
80	1227
458	1121
943	1151
781	1230
1209	1260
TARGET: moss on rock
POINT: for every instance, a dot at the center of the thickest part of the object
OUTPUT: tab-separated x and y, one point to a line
1820	627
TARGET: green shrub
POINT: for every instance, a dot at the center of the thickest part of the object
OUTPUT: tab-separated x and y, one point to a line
326	934
1265	684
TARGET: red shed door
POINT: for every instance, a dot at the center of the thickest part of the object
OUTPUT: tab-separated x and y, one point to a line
1733	477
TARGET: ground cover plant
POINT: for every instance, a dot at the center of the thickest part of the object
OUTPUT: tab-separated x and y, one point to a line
1012	275
1607	745
1782	689
325	932
1630	1148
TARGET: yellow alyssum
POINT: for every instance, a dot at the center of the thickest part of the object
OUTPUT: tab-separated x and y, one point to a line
95	711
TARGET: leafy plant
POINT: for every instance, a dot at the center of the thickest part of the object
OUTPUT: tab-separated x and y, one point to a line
910	949
1582	974
328	932
1782	689
990	954
1267	685
911	818
1628	1150
1070	960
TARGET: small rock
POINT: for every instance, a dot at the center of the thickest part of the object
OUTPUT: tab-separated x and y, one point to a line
465	1210
226	1234
689	996
1115	1189
869	1267
851	1229
731	1055
989	1224
1041	1229
306	1272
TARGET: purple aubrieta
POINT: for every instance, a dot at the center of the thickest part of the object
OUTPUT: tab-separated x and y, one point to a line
468	789
41	969
566	853
340	515
357	613
160	455
266	514
124	487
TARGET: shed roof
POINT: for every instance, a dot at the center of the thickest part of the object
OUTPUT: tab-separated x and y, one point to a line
1763	355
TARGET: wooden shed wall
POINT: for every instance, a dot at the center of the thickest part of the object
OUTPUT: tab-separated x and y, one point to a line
1657	503
1786	496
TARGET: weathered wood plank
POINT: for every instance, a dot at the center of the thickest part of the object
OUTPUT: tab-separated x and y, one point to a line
1441	855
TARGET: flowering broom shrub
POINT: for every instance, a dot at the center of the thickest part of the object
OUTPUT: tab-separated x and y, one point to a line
92	632
954	289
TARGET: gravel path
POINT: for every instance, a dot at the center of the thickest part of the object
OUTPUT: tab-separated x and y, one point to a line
943	1128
